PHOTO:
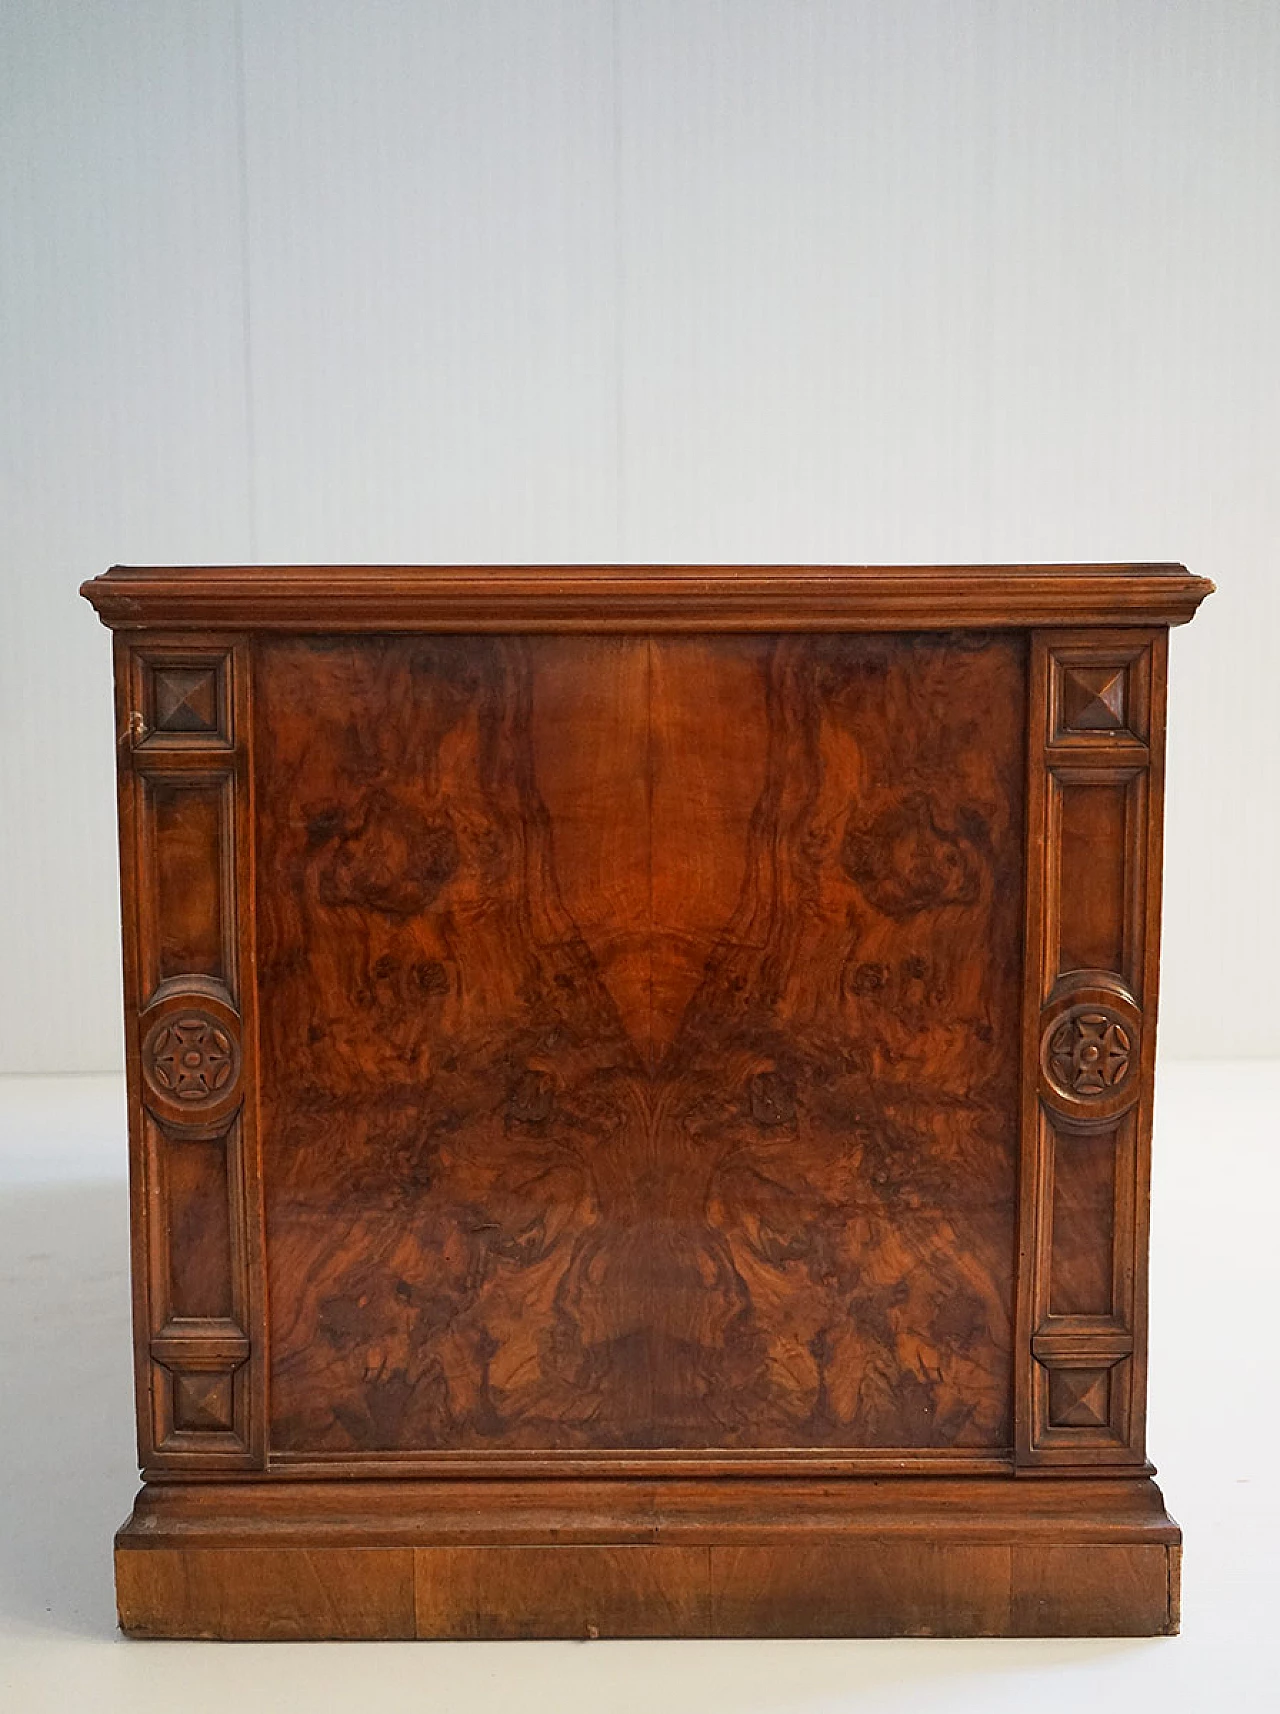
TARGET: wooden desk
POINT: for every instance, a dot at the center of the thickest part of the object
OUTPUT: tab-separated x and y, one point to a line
640	1098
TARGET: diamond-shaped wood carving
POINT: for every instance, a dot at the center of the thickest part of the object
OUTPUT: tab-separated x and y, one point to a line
186	699
1079	1398
202	1403
1093	698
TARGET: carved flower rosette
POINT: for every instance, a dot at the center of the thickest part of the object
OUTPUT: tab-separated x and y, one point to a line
190	1059
1090	1037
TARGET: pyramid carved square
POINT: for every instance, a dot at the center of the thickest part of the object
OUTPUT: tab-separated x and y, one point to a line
1094	698
186	699
1079	1398
202	1403
182	698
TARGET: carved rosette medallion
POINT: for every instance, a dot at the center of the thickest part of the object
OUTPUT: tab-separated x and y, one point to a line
1089	1052
191	1061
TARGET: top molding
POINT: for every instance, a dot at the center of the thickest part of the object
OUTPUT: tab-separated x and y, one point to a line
642	597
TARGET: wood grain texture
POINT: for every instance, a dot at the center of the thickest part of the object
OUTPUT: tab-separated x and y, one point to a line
509	598
632	1092
192	1181
589	1593
1082	1223
188	822
673	1048
637	1559
267	1594
185	785
467	1593
288	1510
1095	771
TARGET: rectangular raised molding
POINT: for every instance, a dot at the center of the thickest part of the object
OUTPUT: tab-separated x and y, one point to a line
182	698
187	927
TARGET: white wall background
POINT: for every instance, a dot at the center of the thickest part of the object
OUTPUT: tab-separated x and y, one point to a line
913	280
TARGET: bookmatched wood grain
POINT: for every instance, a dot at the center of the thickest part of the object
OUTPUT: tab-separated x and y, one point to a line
663	994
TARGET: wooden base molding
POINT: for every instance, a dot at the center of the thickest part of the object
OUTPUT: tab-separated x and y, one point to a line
732	1558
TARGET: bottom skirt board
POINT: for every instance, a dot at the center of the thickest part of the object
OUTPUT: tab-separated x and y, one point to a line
936	1556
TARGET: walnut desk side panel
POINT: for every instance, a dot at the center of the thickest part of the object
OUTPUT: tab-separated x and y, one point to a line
640	1098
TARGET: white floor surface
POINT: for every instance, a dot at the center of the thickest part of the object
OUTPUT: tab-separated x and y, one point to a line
66	1464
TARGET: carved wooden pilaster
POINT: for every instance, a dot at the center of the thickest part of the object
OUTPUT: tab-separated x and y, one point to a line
1095	785
186	858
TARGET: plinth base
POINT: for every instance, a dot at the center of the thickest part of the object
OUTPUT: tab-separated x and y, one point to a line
951	1557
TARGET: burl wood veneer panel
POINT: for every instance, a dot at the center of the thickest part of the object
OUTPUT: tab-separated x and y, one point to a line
640	1039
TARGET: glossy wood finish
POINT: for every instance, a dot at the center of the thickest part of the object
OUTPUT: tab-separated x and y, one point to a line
645	598
705	1142
186	854
605	1029
1095	772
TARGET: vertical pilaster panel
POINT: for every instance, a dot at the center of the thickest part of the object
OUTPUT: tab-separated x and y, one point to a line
186	859
1095	782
